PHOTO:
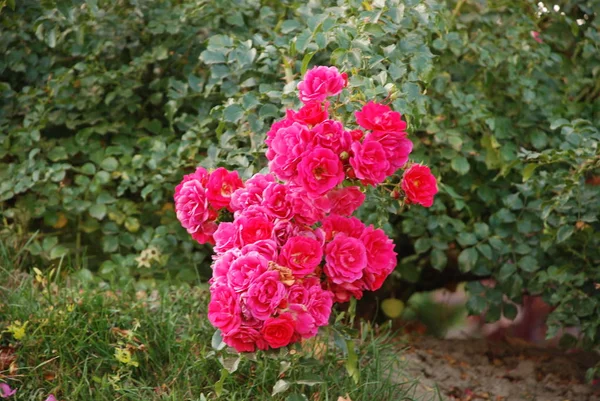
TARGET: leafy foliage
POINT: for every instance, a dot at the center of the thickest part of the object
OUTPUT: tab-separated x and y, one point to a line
107	104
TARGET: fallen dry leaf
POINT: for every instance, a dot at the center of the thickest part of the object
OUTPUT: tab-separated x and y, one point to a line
347	398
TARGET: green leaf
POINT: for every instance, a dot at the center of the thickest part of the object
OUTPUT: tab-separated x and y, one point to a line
509	311
58	252
485	250
506	271
195	83
305	61
438	259
528	263
467	259
352	362
460	164
422	244
109	164
233	113
212	57
290	25
564	232
558	123
217	341
303	40
280	387
528	171
482	230
98	211
466	239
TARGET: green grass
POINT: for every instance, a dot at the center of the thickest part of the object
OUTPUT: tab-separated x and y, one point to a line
73	331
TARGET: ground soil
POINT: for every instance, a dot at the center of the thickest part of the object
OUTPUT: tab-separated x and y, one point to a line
510	370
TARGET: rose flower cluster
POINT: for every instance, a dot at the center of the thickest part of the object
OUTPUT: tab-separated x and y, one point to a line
293	247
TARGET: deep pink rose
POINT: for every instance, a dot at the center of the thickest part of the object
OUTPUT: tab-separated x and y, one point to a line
297	293
283	230
335	224
245	339
396	146
221	263
310	114
277	125
225	237
344	292
308	209
319	304
305	324
276	200
265	247
191	205
252	193
265	293
346	258
288	147
357	134
221	184
379	117
223	309
369	162
419	185
278	331
330	134
244	269
205	233
345	201
381	258
321	82
319	171
200	175
302	255
252	229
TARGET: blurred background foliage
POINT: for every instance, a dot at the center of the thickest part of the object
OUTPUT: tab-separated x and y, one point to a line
104	105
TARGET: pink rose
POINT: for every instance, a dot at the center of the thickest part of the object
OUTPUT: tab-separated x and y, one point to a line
536	36
419	185
319	171
307	209
369	162
205	233
224	237
275	199
357	134
265	293
6	391
321	82
283	230
297	294
221	184
379	117
287	149
245	339
305	324
252	193
310	114
253	229
345	258
319	304
200	175
330	134
221	263
264	247
277	125
335	224
344	292
224	309
396	146
302	255
345	201
244	269
191	205
381	258
278	331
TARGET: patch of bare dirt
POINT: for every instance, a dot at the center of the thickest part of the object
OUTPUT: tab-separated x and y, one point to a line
512	370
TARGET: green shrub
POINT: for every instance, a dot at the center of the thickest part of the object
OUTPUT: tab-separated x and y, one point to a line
107	104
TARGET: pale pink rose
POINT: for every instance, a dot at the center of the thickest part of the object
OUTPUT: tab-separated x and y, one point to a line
51	397
302	255
419	185
379	117
276	200
243	270
319	171
330	134
253	229
381	258
344	292
288	147
6	391
265	247
369	162
265	294
245	339
320	83
252	193
307	209
335	224
279	331
225	237
223	309
396	146
310	114
319	304
536	36
345	201
221	184
305	324
346	258
191	205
